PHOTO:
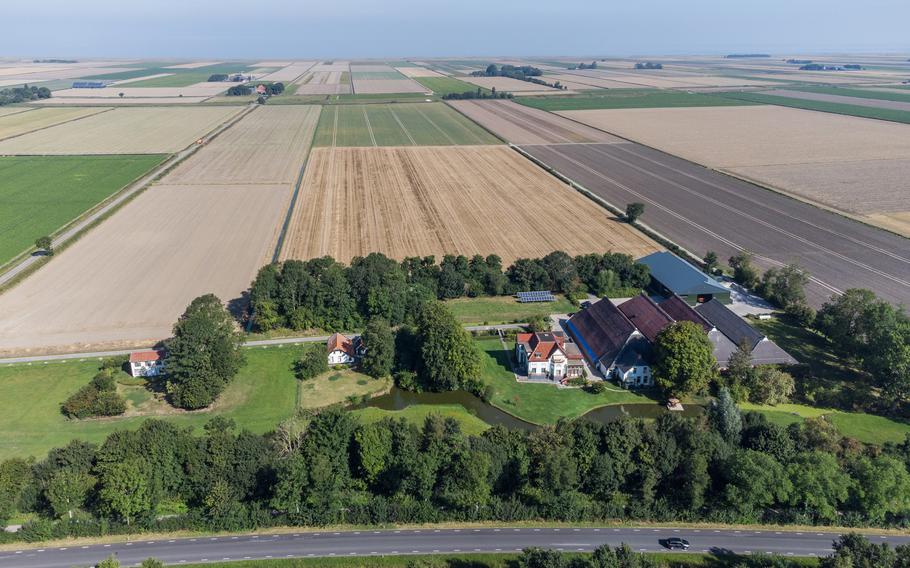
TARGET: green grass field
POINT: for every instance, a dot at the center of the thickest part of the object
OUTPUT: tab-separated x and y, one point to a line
422	124
540	403
446	85
262	394
338	387
857	93
836	108
628	98
40	194
866	428
417	414
503	309
186	77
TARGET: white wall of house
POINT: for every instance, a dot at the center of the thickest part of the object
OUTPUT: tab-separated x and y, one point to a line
339	357
146	368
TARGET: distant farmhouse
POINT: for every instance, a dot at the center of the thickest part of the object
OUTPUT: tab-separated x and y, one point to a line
343	351
673	275
548	356
147	363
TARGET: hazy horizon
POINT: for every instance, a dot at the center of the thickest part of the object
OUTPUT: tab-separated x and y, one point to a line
231	29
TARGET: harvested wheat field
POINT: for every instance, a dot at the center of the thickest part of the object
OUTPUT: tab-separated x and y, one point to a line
267	146
118	102
321	83
521	124
289	73
193	65
418	72
17	123
204	89
126	282
147	130
439	200
510	85
856	165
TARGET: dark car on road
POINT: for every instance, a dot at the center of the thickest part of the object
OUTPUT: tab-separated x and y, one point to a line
676	543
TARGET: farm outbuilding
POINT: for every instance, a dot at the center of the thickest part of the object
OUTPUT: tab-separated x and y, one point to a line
672	275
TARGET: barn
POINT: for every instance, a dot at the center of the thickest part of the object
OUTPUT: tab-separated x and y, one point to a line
672	275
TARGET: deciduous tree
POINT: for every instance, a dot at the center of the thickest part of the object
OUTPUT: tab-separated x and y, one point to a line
683	359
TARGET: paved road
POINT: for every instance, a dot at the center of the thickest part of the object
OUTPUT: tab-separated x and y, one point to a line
256	343
427	541
704	210
125	194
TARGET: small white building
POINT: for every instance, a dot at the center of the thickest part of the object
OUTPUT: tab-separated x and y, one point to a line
147	363
341	350
548	355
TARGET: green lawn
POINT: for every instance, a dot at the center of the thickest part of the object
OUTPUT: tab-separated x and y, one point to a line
40	194
867	428
837	108
262	395
857	93
628	98
337	387
446	85
503	309
540	403
402	124
417	413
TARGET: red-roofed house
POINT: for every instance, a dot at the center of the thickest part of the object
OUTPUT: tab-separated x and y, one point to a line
341	350
146	363
547	355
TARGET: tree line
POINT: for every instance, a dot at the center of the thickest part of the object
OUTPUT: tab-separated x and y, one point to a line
326	468
649	65
478	94
23	94
326	294
511	71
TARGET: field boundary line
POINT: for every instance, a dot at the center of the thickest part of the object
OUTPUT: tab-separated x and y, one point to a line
366	119
405	130
441	131
334	128
471	120
102	111
760	185
11	273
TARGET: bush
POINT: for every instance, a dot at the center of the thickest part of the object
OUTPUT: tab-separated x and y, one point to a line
596	387
98	398
312	364
801	314
577	382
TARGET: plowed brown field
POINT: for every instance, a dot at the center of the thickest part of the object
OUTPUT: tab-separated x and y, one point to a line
439	200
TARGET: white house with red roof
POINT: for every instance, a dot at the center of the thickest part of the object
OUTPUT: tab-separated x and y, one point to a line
548	355
342	350
147	363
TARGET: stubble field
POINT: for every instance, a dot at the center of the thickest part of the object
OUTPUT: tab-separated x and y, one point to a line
148	130
852	164
22	122
440	200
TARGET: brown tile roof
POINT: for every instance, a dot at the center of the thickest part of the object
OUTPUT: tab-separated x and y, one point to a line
338	342
646	316
601	331
146	356
679	310
541	346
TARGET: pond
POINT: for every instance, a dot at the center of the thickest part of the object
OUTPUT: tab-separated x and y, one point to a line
397	399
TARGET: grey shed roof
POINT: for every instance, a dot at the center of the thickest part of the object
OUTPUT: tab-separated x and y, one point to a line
679	276
737	330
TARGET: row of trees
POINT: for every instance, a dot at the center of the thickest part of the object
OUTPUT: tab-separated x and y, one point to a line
23	94
478	94
328	469
649	65
521	73
582	66
784	287
323	293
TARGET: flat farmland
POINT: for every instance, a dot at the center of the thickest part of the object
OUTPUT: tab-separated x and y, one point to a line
147	130
439	200
321	83
629	98
40	194
383	86
850	164
22	122
289	73
703	210
442	85
126	282
524	125
413	72
399	124
204	89
509	85
268	146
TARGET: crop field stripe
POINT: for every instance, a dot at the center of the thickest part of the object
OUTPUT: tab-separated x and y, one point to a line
45	127
405	130
369	126
441	131
335	129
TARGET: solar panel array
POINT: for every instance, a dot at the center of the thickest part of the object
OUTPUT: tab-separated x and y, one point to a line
535	296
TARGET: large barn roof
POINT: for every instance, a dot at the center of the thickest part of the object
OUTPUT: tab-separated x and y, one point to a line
601	330
646	316
738	331
679	276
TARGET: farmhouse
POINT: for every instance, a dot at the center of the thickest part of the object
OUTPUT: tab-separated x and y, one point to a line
342	350
147	363
672	275
548	355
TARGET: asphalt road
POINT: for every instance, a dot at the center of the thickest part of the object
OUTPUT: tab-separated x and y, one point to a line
427	541
702	210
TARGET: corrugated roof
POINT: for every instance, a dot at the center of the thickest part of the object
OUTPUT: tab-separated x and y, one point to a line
730	324
646	316
679	310
680	276
601	330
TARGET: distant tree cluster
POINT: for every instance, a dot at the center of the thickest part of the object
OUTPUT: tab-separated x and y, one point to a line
511	71
218	77
325	294
98	398
799	61
649	65
54	61
273	89
582	66
785	287
822	67
240	91
746	55
23	94
478	94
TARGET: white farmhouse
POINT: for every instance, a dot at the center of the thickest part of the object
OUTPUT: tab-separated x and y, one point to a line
341	350
147	363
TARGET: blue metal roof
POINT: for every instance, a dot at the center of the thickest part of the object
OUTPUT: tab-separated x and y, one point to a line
679	276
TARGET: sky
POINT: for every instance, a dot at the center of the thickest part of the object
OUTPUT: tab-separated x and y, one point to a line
249	29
